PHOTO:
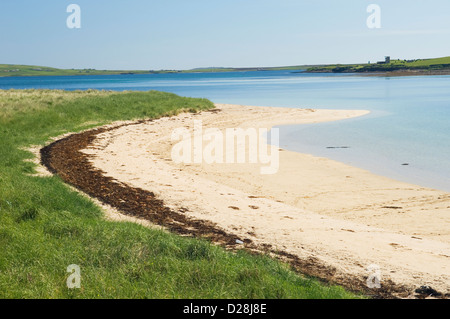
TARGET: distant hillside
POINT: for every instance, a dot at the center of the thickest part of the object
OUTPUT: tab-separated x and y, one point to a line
242	69
32	70
426	66
429	65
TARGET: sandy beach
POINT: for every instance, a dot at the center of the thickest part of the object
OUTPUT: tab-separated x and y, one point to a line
339	216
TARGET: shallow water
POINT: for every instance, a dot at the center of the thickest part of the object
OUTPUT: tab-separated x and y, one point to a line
408	124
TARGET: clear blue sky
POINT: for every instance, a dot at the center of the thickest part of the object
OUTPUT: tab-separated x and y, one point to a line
184	34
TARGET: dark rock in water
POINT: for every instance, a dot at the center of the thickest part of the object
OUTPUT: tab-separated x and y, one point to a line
427	290
405	164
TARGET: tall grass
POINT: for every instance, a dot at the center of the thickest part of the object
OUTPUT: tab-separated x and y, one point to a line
45	226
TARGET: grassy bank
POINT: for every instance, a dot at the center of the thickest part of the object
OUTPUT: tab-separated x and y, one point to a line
438	64
7	70
45	226
32	70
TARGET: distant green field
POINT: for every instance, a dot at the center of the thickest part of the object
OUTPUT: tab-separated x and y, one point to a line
394	65
430	62
32	70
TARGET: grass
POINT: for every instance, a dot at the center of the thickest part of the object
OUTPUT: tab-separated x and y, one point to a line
395	65
7	70
33	70
430	62
45	226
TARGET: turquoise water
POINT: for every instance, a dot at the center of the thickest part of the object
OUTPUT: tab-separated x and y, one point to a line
408	123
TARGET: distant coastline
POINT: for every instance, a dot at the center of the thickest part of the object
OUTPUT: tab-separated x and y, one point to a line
388	67
14	70
437	66
408	72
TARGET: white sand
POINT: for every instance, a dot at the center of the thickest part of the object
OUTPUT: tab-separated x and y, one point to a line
313	207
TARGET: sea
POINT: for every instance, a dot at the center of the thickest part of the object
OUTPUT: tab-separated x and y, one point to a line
406	136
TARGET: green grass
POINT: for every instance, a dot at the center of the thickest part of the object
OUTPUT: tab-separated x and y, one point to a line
430	62
7	70
32	70
395	65
421	64
45	226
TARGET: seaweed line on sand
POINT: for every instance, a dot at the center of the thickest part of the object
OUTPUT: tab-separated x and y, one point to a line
65	158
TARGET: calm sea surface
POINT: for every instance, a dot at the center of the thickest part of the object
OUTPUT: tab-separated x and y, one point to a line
409	121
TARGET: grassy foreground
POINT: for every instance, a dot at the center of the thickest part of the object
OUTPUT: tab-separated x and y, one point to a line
45	226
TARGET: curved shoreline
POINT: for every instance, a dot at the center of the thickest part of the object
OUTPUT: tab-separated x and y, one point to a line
67	158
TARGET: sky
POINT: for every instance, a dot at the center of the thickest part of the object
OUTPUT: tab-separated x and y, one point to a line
185	34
